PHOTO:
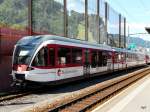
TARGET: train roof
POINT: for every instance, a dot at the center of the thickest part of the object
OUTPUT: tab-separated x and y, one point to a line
30	40
119	49
38	39
127	50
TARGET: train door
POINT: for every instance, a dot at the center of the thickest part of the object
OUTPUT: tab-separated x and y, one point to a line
94	61
52	62
109	61
86	64
123	60
119	60
105	60
40	65
63	63
113	60
116	61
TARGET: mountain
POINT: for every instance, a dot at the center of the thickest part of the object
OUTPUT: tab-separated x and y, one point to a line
139	42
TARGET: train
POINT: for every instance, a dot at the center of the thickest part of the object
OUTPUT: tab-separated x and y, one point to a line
50	59
147	57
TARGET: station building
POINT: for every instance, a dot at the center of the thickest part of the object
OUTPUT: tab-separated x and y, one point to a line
90	20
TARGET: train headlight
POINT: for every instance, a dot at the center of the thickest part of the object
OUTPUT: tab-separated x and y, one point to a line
29	68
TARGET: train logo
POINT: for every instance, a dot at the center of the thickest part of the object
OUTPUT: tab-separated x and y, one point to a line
60	72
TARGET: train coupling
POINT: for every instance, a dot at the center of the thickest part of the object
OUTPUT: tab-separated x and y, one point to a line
13	84
18	84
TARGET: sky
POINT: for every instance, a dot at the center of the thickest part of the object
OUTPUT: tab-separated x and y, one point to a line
137	13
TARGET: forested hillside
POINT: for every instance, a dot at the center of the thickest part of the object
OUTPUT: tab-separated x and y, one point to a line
13	13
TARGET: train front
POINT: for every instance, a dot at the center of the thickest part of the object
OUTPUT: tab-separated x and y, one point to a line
22	55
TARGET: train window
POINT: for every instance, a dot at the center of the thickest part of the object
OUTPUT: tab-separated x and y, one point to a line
22	54
104	59
116	57
94	59
100	59
128	58
87	55
126	55
76	56
119	57
51	56
64	56
122	56
41	58
132	56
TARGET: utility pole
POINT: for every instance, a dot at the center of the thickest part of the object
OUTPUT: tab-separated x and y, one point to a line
128	36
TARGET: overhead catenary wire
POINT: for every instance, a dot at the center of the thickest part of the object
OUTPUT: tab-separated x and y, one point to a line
144	5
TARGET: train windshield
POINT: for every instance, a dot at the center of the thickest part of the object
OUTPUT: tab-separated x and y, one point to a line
23	54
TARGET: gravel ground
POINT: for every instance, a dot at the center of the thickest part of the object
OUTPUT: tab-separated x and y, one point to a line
26	101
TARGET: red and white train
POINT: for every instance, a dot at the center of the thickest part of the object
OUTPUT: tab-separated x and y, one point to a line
54	59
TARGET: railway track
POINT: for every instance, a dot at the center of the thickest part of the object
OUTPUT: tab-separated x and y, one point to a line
14	95
88	98
19	93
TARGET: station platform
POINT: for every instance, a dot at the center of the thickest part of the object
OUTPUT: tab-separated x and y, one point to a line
135	98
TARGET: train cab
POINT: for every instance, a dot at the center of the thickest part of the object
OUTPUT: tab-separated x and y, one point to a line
22	55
